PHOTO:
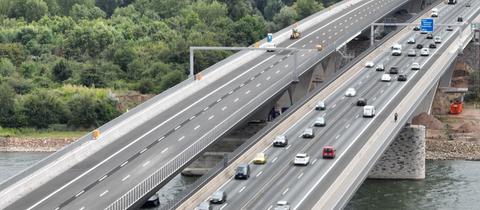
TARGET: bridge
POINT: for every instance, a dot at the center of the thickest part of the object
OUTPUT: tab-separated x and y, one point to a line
137	153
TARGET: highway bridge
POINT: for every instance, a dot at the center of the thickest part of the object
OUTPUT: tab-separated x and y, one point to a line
143	149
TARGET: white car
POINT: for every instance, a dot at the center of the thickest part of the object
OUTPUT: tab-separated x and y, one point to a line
412	53
411	40
380	67
424	52
434	14
319	122
270	46
282	205
369	64
301	159
320	105
415	66
368	111
308	133
386	78
351	92
437	39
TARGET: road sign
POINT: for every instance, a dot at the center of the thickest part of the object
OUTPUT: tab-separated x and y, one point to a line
426	24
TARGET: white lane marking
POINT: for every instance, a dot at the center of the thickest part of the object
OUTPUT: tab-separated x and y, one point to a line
80	193
103	177
286	66
274	159
314	161
300	176
348	126
161	138
105	192
303	55
124	163
271	66
285	192
146	163
338	136
258	85
357	116
241	85
196	127
303	46
268	78
235	100
178	127
382	91
278	71
57	208
126	177
143	150
263	71
252	78
191	118
334	106
246	93
224	205
323	115
270	207
83	207
164	150
219	100
229	93
206	108
211	117
242	189
288	147
317	37
374	98
181	138
311	41
310	50
225	107
259	173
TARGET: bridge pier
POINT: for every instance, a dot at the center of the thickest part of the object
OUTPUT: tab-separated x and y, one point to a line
405	157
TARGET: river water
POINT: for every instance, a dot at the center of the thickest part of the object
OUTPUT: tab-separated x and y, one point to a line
448	185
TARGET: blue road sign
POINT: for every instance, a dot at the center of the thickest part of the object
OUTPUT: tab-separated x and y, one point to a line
426	24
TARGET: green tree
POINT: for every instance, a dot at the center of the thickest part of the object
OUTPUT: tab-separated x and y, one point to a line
44	108
67	5
83	12
61	71
286	17
249	29
7	106
171	79
89	110
271	8
93	77
307	7
31	10
6	67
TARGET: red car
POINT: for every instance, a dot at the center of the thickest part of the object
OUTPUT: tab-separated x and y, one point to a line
328	152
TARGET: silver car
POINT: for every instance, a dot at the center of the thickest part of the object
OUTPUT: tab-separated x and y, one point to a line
308	133
319	122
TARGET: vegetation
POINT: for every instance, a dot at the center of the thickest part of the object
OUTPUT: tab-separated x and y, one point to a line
60	60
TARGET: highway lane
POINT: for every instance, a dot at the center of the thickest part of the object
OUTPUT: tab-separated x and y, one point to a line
290	177
154	133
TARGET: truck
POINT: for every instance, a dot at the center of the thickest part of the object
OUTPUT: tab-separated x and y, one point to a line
396	49
295	32
368	111
270	45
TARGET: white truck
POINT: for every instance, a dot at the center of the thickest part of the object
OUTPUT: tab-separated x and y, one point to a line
397	49
368	111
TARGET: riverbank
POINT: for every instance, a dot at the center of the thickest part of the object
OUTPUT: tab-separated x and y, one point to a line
27	144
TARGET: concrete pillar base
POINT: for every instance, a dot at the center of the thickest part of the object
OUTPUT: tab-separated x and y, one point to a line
405	158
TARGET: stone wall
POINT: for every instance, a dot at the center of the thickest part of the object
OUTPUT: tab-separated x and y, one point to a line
10	144
405	158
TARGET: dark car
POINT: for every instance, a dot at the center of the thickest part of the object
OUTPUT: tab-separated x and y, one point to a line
153	201
467	4
402	77
432	45
362	102
242	172
419	46
460	19
430	36
449	28
416	28
218	197
393	70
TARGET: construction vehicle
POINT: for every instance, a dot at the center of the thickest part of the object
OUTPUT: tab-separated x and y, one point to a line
456	106
295	32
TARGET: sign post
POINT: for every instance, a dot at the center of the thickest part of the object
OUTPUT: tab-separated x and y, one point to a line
427	25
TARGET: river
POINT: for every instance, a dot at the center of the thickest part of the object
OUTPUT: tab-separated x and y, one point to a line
448	185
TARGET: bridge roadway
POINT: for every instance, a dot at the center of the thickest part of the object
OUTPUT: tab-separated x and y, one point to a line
99	180
280	180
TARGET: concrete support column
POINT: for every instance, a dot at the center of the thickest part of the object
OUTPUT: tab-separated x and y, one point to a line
405	158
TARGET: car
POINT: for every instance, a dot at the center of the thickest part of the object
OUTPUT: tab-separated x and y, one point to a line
362	101
386	78
411	53
282	205
396	49
308	133
218	197
402	77
432	46
393	70
415	66
419	46
424	32
280	141
369	64
460	19
449	28
416	28
368	111
411	40
320	106
467	4
319	122
434	14
429	36
204	206
437	39
153	201
351	92
242	172
260	158
424	52
301	159
380	67
328	152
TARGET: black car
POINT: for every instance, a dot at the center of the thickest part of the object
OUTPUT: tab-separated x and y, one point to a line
242	172
393	70
218	197
362	102
153	201
402	77
449	28
419	46
460	19
416	28
467	4
429	36
432	46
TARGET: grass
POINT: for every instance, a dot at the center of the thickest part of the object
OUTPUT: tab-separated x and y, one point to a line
33	133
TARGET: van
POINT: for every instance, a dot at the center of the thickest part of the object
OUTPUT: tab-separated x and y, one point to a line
368	111
397	50
307	133
242	172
